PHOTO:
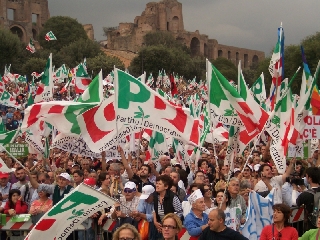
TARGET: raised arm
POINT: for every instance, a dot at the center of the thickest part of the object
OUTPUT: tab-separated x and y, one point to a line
125	163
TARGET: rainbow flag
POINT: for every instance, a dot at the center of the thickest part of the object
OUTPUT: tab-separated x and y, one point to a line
315	101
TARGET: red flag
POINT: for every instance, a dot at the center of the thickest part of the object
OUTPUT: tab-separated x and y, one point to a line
174	89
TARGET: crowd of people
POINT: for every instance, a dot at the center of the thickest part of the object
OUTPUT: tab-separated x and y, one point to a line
165	196
155	199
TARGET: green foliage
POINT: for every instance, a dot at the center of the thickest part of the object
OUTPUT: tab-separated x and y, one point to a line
163	38
155	58
10	48
33	65
66	30
76	51
227	68
249	76
106	63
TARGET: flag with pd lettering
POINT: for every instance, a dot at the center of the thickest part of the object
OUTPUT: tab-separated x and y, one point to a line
50	36
61	220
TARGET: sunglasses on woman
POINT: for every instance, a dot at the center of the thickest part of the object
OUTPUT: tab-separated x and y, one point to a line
168	227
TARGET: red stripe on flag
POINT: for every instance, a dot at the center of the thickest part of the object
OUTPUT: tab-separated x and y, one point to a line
298	214
17	226
180	120
56	109
33	116
181	233
95	133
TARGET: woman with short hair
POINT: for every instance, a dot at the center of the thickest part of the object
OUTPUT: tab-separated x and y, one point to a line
280	229
171	226
126	232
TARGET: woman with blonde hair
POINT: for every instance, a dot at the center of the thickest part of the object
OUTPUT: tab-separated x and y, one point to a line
126	232
171	226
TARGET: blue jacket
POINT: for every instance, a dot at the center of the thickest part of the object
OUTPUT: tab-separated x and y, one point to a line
193	224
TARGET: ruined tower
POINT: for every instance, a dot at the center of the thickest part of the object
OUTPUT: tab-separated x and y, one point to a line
24	17
166	15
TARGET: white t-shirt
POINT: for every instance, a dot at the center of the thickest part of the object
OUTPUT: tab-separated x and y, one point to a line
276	182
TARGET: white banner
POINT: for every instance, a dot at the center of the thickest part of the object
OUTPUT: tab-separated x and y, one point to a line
312	128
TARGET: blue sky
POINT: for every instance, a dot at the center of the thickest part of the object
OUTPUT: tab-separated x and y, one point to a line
242	23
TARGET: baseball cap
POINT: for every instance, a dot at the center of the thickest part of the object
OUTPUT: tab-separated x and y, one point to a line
130	185
256	167
75	165
147	190
236	170
65	175
90	181
4	175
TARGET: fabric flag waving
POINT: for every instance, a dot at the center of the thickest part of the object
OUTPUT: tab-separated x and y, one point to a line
82	78
8	137
50	36
222	94
61	220
30	47
94	93
60	114
4	167
138	104
157	145
45	89
8	100
259	214
259	91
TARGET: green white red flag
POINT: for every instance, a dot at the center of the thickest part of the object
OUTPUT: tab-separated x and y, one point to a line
136	101
222	95
30	47
63	218
50	36
157	145
94	92
82	79
60	114
45	88
8	100
8	137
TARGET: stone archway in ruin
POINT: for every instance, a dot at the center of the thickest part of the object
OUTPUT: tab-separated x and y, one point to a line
175	24
255	61
19	31
195	46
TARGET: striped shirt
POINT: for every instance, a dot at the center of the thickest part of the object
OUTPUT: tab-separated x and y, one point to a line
176	205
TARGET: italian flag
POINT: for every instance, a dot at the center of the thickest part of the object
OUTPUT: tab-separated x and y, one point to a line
157	145
222	95
30	47
94	92
45	89
82	80
8	137
50	36
8	100
64	217
60	114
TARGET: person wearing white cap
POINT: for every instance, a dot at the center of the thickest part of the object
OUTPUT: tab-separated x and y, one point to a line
129	202
59	190
196	221
145	206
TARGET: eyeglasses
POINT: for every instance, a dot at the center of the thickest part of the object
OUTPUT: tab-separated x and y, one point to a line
128	190
41	181
168	227
126	238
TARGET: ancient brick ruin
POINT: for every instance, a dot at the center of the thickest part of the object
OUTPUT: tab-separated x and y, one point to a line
24	17
166	15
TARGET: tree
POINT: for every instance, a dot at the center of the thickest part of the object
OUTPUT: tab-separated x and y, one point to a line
154	58
10	48
34	65
106	63
76	51
66	30
227	68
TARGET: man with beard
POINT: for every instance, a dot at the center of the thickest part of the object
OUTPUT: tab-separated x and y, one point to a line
143	180
21	176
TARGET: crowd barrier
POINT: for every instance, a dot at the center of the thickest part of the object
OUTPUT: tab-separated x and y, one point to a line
296	220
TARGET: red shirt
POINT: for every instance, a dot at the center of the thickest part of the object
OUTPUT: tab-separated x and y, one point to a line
20	207
288	233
